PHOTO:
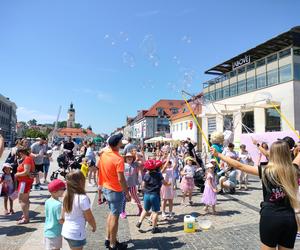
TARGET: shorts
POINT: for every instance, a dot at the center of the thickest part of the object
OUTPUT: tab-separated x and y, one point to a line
114	200
277	228
76	243
46	167
53	243
229	183
24	186
152	201
39	168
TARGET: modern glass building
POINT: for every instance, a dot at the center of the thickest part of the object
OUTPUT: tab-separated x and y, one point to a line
235	97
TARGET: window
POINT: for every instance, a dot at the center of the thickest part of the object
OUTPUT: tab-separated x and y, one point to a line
272	58
272	77
297	71
226	92
174	110
284	53
251	84
273	122
233	73
250	66
248	122
160	111
212	124
297	52
206	97
219	94
228	122
242	87
261	80
186	125
260	62
181	126
212	96
241	70
233	89
176	127
285	73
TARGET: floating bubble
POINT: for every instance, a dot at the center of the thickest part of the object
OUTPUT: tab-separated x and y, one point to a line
148	46
154	59
128	59
186	39
123	36
110	39
176	60
187	78
149	84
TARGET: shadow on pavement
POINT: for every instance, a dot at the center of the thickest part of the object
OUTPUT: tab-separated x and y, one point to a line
15	230
162	242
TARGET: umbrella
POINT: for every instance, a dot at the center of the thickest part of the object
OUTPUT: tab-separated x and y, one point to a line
159	139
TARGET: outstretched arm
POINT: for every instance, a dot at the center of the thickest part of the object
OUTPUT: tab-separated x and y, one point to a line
235	164
260	148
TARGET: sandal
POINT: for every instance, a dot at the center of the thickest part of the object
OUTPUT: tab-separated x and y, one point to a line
20	218
23	221
11	212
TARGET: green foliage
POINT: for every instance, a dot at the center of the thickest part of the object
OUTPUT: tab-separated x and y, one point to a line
78	125
32	122
34	133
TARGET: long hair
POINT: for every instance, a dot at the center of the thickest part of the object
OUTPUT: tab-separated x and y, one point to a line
75	185
280	171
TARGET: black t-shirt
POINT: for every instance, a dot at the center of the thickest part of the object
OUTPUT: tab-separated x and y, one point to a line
69	146
153	182
273	194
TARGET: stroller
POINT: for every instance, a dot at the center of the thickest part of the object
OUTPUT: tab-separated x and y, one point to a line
66	165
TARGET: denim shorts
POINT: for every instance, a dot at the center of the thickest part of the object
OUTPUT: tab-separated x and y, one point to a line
76	243
46	168
114	200
152	201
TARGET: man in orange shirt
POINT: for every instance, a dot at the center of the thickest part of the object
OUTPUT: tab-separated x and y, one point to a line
112	180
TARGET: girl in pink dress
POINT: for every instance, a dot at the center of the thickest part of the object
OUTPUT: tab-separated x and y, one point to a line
209	197
167	192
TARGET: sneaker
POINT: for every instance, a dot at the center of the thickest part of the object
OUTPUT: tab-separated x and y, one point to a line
221	191
119	246
106	243
164	216
138	224
123	215
171	216
191	203
298	236
155	230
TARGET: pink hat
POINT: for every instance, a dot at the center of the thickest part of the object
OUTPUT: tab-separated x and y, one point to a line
56	185
6	165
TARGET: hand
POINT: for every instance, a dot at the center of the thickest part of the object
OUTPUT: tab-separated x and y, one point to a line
215	190
128	197
214	152
61	221
254	141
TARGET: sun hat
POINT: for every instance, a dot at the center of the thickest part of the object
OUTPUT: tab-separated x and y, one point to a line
56	185
152	164
6	165
213	160
209	165
129	155
189	158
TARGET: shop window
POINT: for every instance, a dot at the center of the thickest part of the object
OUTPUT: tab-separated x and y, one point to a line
212	124
273	122
251	84
260	62
297	71
228	122
261	81
272	58
284	53
226	92
272	77
242	87
248	122
285	73
233	89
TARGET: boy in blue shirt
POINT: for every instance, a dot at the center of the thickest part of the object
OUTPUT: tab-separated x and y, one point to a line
53	227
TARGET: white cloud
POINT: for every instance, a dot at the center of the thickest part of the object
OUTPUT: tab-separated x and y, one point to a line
147	13
25	114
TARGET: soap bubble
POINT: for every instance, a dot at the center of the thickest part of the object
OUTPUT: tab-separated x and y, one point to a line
123	36
148	46
186	39
176	60
128	59
149	84
110	39
154	59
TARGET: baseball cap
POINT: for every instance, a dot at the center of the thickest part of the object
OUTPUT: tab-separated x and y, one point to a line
56	185
115	139
289	140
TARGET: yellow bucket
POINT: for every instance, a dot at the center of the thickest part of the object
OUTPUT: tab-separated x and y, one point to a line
189	224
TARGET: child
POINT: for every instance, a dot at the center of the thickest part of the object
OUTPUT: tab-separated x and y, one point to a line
168	192
187	183
209	197
52	230
245	158
84	167
152	183
76	211
8	187
131	170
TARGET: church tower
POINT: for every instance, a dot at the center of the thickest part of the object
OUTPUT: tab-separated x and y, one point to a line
71	117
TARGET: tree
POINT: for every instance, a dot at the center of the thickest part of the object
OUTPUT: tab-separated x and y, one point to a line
34	133
32	122
89	128
78	125
62	124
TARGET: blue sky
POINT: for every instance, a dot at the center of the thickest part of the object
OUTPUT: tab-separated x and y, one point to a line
112	58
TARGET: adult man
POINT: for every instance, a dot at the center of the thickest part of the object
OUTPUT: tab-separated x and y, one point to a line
38	150
69	145
129	146
111	178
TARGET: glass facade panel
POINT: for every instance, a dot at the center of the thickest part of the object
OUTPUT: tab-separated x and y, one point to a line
206	97
251	84
248	122
297	52
261	81
272	77
233	73
219	94
228	122
212	95
284	53
241	70
285	73
242	87
233	89
226	92
297	71
261	62
250	66
273	122
272	58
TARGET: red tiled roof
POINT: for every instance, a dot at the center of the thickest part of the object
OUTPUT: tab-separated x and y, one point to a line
166	105
75	132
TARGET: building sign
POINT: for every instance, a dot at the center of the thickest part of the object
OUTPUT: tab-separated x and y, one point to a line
241	62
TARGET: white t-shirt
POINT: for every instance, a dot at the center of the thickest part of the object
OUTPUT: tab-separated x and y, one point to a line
189	170
74	225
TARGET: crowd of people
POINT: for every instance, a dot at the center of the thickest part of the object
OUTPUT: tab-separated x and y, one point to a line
151	180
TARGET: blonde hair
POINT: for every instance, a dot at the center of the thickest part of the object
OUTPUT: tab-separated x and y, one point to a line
75	185
281	172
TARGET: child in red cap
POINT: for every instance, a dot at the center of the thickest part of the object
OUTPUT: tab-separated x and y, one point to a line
53	227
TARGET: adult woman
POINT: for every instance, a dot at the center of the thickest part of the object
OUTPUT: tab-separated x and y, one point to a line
278	227
263	159
91	159
25	181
